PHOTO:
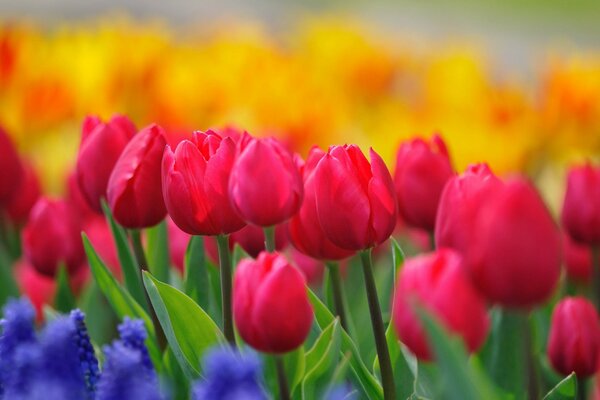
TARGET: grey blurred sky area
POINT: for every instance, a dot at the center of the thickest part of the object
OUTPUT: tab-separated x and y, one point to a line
513	31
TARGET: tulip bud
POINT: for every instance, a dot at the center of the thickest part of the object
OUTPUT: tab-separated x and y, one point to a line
251	238
514	257
574	339
11	170
195	185
25	196
78	204
101	145
356	203
265	290
52	237
304	229
581	207
265	186
578	260
134	187
437	282
422	170
460	203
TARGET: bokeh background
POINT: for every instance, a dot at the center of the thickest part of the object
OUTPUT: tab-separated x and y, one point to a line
513	83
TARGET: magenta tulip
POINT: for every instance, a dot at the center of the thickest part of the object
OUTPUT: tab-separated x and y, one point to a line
581	207
11	170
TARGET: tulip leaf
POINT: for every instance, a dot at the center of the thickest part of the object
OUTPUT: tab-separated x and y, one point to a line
159	258
295	364
131	271
566	389
397	257
188	328
8	286
121	301
461	380
196	283
64	299
369	384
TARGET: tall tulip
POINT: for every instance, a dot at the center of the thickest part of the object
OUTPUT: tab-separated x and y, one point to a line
422	169
134	187
101	145
11	170
438	283
581	207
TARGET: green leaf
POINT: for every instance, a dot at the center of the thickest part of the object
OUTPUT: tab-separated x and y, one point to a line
159	258
121	301
196	284
369	384
64	299
461	380
131	271
177	380
188	328
294	367
566	389
397	256
8	286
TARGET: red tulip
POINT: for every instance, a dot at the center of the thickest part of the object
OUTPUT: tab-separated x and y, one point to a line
252	239
304	229
356	203
578	260
77	203
265	186
422	170
574	339
178	243
459	206
265	290
52	236
581	208
134	188
11	170
195	185
437	282
25	196
310	267
101	145
515	255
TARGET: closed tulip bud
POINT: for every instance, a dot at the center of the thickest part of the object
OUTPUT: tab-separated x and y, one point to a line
265	290
101	145
195	185
460	203
25	196
437	283
581	207
304	229
52	237
356	203
574	339
577	260
515	256
265	186
134	187
422	170
251	238
11	170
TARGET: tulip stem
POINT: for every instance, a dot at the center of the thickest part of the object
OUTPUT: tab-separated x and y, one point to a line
596	274
270	238
338	294
226	282
140	256
532	382
581	388
385	365
284	390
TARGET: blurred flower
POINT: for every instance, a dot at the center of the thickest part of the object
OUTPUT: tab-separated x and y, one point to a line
581	207
252	239
178	243
25	196
87	357
11	170
133	335
577	259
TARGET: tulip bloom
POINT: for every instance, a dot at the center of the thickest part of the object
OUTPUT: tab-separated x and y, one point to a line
265	186
25	196
437	282
101	145
459	206
52	237
304	229
265	290
515	256
355	201
195	185
577	260
574	339
422	170
581	207
134	187
11	170
251	238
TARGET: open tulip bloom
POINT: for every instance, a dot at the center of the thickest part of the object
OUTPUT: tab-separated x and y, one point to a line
214	274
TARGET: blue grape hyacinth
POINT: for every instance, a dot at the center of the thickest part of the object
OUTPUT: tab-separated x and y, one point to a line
133	335
87	357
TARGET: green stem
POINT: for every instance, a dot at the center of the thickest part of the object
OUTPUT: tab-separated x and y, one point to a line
387	375
284	390
338	294
581	388
533	387
596	275
226	282
140	256
270	238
